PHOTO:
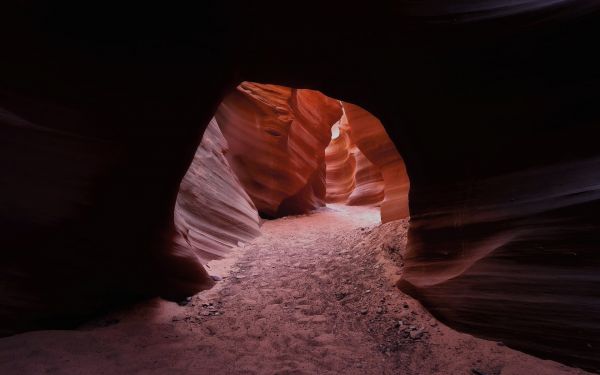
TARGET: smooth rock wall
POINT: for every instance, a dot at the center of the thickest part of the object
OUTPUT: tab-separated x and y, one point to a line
370	137
370	186
341	166
213	213
277	138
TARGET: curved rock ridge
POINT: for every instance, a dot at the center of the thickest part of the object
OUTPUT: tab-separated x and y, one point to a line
527	265
277	138
372	140
98	130
213	212
91	198
370	186
311	196
341	166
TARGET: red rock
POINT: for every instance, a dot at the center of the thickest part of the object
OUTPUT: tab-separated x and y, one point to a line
213	211
309	197
372	140
341	166
370	186
277	138
351	177
106	125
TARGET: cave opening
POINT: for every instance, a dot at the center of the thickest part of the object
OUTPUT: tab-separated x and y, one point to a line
273	151
493	105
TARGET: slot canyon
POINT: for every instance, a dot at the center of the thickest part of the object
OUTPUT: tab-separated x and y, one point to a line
317	188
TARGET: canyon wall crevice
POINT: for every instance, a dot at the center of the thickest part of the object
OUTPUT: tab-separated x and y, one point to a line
371	138
364	166
341	166
277	138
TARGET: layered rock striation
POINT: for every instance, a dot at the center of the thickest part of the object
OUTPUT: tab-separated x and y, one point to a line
341	166
213	212
364	167
370	137
370	186
496	121
277	138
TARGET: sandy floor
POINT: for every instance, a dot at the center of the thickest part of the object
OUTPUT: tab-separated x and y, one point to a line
313	295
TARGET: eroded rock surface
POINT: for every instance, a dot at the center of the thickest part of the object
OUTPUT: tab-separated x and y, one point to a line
277	138
107	123
526	266
341	166
370	185
372	140
213	213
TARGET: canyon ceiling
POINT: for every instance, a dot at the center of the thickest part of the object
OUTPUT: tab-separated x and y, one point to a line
492	105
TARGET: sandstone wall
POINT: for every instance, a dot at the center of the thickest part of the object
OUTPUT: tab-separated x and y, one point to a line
213	213
277	138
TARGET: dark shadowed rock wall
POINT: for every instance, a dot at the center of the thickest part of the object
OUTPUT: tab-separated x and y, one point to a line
493	106
277	138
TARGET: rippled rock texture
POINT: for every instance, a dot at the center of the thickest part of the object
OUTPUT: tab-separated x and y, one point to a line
277	138
213	213
493	106
371	139
341	165
370	186
353	178
522	266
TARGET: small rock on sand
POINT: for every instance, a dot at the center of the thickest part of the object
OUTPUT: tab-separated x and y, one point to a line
416	334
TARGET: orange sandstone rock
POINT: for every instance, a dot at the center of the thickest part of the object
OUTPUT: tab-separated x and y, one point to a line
277	138
341	166
369	189
371	138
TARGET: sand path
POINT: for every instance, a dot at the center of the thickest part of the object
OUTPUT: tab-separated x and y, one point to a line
314	295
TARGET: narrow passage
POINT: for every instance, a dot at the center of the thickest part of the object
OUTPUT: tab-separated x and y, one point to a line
314	294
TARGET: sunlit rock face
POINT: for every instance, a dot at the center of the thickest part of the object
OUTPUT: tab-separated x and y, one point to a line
369	189
371	139
354	179
341	166
213	213
277	138
311	196
477	110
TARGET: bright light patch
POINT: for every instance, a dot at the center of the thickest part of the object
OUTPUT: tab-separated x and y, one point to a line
335	131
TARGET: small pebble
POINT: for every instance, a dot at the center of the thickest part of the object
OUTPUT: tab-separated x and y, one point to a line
416	334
